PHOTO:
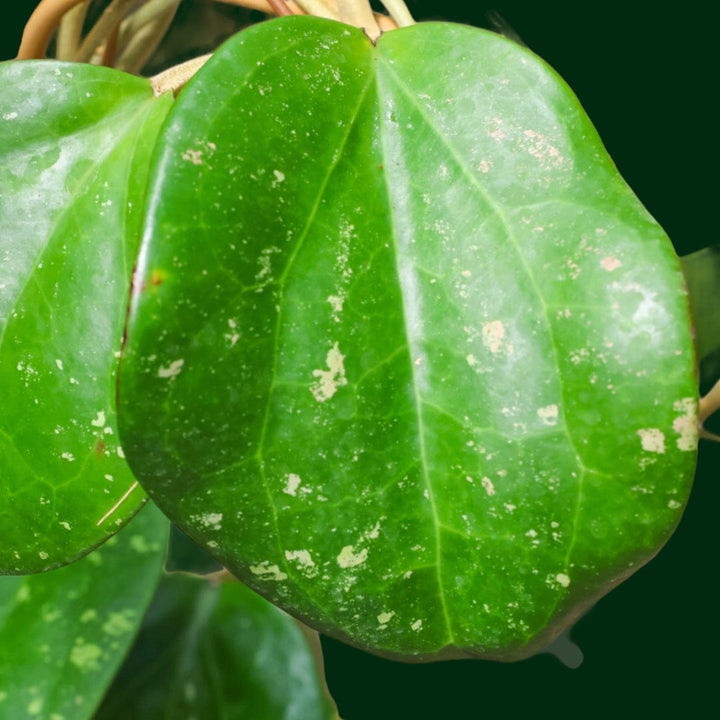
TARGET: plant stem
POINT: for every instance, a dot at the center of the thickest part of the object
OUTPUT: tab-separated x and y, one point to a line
261	5
359	14
709	403
175	77
70	31
399	12
320	8
280	8
109	20
109	51
352	12
41	26
143	31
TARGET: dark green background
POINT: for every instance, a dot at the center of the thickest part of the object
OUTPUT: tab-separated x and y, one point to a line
647	78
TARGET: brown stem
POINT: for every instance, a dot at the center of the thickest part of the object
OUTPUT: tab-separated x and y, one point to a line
262	5
312	638
280	8
69	31
41	26
321	8
359	14
220	577
142	32
399	12
385	22
174	78
710	403
112	16
109	51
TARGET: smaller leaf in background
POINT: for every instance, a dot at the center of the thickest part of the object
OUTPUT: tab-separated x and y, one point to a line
64	633
217	650
702	275
75	143
184	555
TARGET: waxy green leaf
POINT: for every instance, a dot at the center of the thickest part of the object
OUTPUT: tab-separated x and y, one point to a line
405	352
64	633
211	649
75	145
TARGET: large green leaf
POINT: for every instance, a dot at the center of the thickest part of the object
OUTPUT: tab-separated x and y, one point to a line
64	633
210	649
405	353
75	144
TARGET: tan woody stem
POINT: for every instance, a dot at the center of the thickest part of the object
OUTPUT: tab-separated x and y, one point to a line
101	31
70	31
41	26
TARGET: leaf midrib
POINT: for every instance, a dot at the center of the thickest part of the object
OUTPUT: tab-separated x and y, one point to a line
533	285
351	120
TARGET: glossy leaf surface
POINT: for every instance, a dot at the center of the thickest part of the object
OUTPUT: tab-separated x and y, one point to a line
64	633
406	353
75	143
217	651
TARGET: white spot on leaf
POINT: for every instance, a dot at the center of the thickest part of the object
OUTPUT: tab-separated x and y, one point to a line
652	440
293	483
548	414
302	557
384	618
349	558
120	623
85	656
35	706
610	263
268	571
208	520
194	156
686	425
233	336
488	485
336	303
537	145
493	337
328	381
172	370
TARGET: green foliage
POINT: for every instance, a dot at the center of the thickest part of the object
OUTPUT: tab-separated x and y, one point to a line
385	371
404	353
75	143
63	634
210	649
